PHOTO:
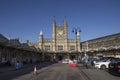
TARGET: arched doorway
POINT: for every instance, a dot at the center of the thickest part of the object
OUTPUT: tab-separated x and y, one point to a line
60	56
72	57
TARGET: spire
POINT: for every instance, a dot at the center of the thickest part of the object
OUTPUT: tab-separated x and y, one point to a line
78	33
54	20
65	22
41	36
41	33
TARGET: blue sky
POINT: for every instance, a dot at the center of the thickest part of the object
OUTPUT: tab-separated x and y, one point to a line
26	18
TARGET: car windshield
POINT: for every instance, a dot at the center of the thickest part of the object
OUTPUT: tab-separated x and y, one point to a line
115	60
105	60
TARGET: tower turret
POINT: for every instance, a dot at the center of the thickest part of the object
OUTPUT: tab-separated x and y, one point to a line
78	41
54	34
65	22
41	40
54	22
66	33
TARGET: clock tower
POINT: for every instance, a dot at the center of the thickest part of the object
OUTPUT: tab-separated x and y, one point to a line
59	44
59	36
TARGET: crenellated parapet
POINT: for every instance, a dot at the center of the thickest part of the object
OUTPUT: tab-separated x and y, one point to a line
47	41
72	41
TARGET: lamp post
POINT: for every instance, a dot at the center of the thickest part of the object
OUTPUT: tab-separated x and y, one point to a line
76	31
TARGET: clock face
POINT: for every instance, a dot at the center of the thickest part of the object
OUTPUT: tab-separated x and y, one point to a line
60	32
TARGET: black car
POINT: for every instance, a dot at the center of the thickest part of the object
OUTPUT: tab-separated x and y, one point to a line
114	67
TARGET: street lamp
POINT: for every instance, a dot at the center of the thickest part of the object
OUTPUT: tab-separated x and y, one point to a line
76	31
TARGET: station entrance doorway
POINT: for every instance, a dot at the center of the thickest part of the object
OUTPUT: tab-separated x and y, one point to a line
72	57
60	56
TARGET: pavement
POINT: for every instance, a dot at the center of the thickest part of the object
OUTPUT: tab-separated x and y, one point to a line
4	69
12	68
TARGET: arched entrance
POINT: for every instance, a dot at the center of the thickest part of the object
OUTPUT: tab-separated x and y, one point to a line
60	56
72	57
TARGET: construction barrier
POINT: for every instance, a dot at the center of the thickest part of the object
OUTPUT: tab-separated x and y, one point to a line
73	65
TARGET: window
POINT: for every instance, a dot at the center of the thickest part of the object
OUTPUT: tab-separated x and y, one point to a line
47	47
60	48
72	48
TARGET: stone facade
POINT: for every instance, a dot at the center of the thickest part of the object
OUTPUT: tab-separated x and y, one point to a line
107	44
11	51
59	41
59	46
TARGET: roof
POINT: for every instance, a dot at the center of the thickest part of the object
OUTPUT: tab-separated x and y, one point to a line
14	42
3	39
108	36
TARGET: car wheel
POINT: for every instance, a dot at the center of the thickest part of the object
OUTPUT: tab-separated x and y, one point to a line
103	67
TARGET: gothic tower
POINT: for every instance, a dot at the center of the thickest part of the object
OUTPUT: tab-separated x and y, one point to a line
41	40
65	25
54	34
78	41
59	36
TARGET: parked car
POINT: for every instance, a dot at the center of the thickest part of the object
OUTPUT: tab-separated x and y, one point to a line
104	58
65	61
103	64
114	67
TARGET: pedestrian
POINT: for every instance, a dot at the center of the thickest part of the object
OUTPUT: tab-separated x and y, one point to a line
92	63
86	61
17	65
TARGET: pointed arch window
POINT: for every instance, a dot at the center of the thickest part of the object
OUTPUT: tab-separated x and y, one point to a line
47	47
72	48
60	48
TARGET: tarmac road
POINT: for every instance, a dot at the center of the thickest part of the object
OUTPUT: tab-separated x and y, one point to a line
58	72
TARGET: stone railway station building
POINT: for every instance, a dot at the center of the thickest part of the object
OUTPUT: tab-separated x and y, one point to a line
58	47
11	50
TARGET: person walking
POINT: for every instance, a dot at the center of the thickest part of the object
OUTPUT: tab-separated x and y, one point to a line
86	61
17	65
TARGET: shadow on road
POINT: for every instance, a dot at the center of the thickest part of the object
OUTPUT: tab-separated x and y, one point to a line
11	74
